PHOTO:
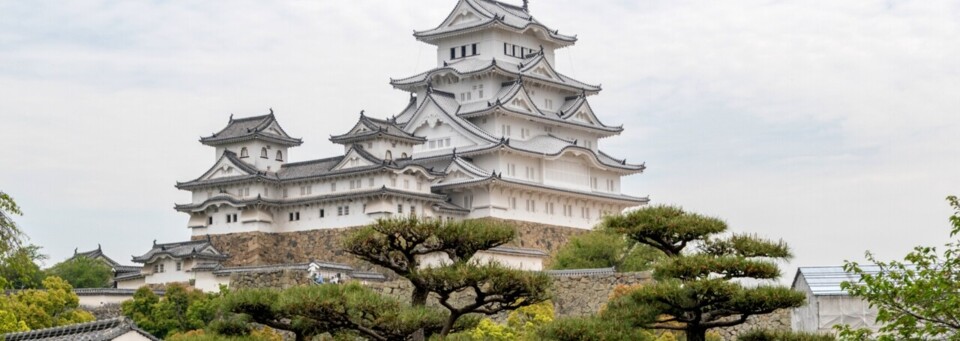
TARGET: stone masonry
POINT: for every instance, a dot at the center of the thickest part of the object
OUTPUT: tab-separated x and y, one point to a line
258	248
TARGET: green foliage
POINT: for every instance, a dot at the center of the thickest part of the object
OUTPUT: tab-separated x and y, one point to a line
19	268
10	235
694	292
522	324
591	329
310	311
915	299
83	272
54	306
398	245
604	249
767	335
180	310
202	335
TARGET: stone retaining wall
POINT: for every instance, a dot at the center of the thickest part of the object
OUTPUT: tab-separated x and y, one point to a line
105	311
257	248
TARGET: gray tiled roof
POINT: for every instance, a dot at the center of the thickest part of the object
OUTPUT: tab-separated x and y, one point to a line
128	276
110	292
319	198
580	272
248	128
189	249
275	267
370	128
404	116
102	330
471	66
368	276
528	184
495	13
519	251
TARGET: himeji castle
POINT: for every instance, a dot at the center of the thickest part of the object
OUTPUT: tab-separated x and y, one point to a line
494	130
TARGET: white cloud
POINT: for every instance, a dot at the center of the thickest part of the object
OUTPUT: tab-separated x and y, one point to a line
830	124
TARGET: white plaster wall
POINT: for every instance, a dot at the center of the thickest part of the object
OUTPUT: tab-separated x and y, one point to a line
805	318
206	281
253	148
519	262
169	275
94	301
131	336
131	284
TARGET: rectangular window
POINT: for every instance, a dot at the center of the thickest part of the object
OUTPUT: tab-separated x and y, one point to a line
370	182
474	53
468	201
346	210
406	184
284	192
209	220
156	268
413	210
339	210
333	186
322	213
161	267
294	216
179	266
513	203
480	91
593	182
400	209
463	51
453	53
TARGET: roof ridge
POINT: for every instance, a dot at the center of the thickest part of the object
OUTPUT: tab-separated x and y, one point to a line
300	163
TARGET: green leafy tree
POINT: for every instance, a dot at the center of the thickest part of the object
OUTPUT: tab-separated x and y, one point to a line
462	286
56	305
83	272
20	268
602	248
916	299
349	309
10	235
179	310
697	288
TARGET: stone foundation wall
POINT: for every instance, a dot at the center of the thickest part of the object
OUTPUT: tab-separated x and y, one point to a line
257	248
105	311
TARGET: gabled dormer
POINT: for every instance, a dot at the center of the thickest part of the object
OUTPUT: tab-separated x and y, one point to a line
384	139
258	140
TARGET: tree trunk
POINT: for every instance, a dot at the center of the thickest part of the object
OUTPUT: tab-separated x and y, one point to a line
448	326
419	297
696	334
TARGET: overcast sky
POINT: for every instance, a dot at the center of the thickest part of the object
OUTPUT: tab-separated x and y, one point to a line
831	124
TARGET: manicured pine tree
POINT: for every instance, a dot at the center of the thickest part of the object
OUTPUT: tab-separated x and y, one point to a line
698	285
462	286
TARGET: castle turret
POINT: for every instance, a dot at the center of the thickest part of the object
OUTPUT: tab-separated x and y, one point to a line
258	141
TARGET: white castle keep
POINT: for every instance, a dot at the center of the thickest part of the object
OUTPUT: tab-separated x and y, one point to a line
493	131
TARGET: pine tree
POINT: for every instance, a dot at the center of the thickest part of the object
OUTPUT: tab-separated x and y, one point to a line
698	284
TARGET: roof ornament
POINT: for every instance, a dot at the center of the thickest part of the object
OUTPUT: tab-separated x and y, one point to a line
154	242
271	111
454	152
541	49
526	5
231	117
75	250
429	87
494	61
98	247
361	112
444	63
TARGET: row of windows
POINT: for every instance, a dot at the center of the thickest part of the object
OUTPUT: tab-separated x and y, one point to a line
463	51
611	184
548	207
516	50
158	268
263	153
439	143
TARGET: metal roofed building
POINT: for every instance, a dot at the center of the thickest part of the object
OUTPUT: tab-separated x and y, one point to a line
827	304
121	329
494	130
